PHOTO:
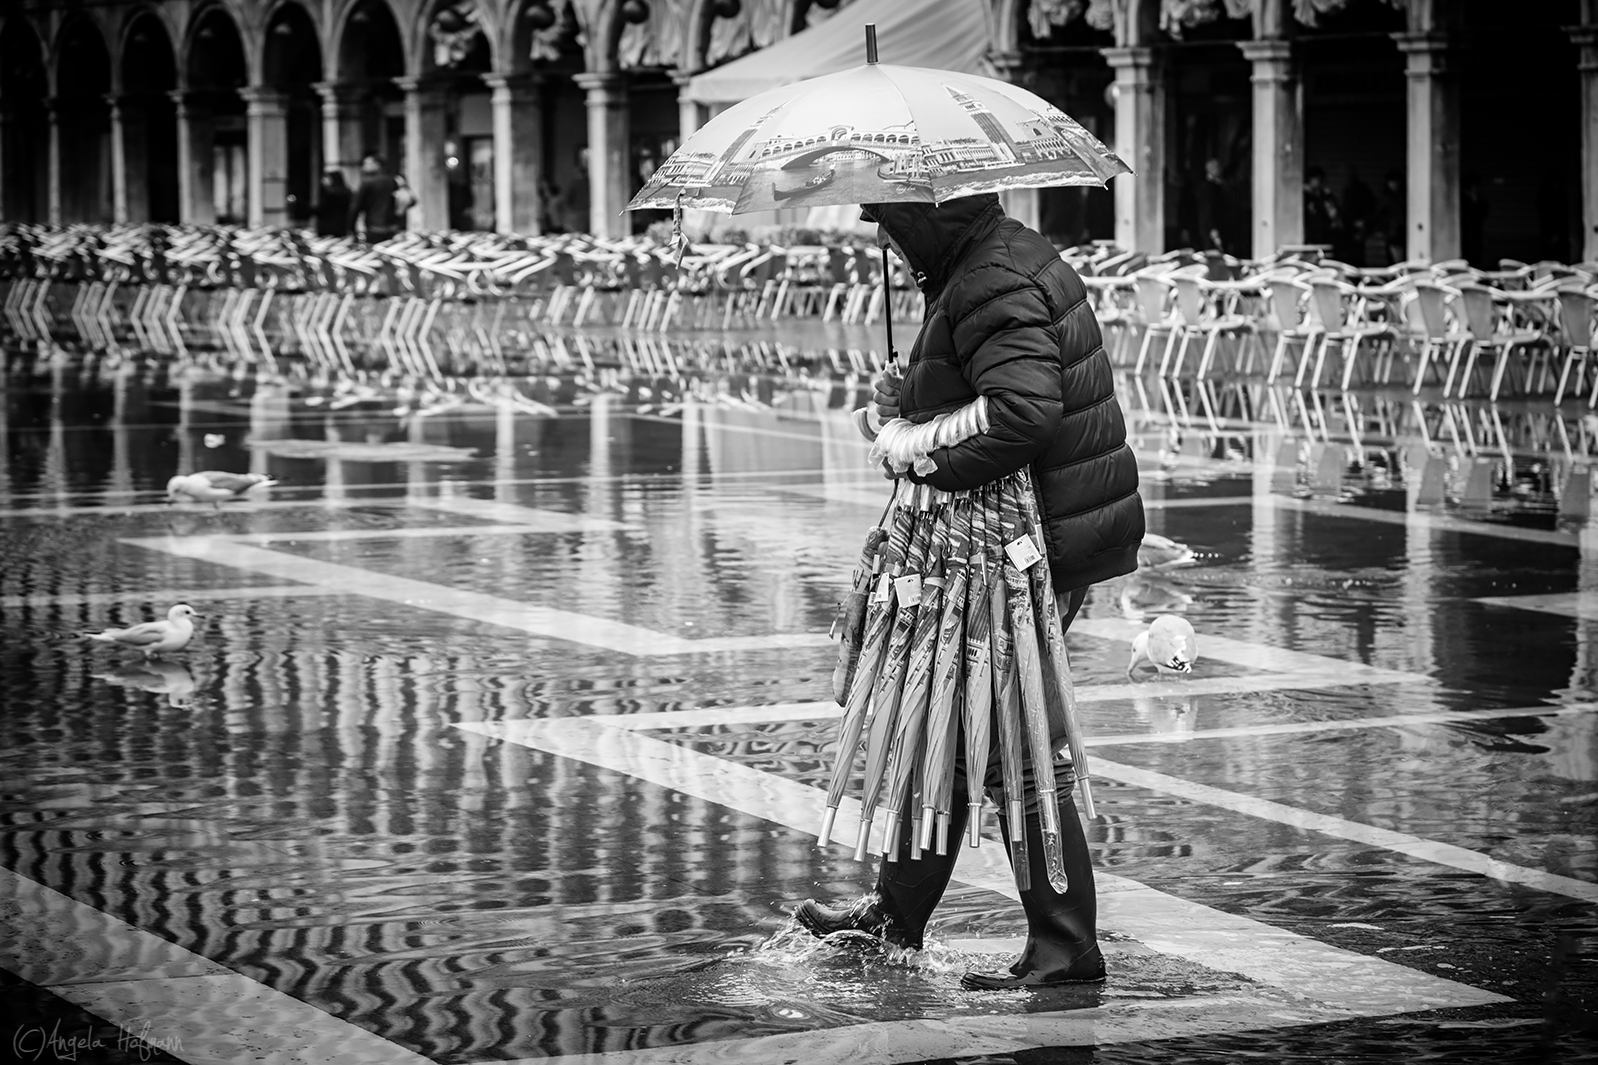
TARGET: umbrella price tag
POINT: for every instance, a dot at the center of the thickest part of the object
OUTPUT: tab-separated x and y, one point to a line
908	589
1023	552
883	592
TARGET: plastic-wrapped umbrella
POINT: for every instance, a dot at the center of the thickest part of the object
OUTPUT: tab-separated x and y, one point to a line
879	623
938	771
1007	708
1059	663
907	744
852	613
890	679
1035	711
977	706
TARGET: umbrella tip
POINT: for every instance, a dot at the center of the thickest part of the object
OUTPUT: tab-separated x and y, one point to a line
871	42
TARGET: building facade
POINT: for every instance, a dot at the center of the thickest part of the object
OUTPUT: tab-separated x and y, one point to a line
1435	128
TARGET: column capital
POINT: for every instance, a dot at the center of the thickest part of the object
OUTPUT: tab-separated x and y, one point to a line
1270	49
602	84
1006	63
1128	58
263	100
523	82
340	92
1586	39
1425	53
423	85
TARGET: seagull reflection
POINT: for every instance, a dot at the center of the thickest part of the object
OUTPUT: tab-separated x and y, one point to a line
171	679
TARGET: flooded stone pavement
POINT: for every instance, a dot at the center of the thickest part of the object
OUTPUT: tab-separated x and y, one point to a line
501	735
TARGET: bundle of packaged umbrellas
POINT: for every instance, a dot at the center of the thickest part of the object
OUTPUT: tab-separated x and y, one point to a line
951	630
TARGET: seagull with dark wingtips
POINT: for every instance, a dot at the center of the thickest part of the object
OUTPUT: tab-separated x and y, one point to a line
153	637
215	487
1158	552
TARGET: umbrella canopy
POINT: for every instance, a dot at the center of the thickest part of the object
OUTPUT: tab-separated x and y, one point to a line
919	33
878	133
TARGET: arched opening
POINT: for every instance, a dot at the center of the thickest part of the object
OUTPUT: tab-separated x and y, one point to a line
1064	64
83	80
1507	208
369	106
455	56
292	66
649	49
214	113
543	39
1210	137
1354	133
24	85
149	122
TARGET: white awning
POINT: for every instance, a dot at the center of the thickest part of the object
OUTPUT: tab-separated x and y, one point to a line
942	34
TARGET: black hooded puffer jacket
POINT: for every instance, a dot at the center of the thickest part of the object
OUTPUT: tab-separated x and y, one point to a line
1008	319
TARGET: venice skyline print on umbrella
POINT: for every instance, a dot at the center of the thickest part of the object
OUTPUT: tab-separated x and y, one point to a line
877	133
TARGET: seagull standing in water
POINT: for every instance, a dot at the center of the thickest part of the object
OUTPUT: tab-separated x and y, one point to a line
215	487
153	637
1158	552
1168	645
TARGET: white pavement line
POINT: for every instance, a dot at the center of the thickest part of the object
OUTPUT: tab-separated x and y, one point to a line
1252	655
1581	605
1298	728
165	995
514	514
1426	520
711	717
423	532
156	596
535	620
1402	842
884	1042
1341	982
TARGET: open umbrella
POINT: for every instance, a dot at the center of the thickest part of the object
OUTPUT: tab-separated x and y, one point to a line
877	133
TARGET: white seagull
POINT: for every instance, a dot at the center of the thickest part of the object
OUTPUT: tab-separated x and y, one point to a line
1168	645
215	487
1158	552
153	637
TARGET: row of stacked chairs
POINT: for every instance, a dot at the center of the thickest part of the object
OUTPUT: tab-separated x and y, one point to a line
1523	329
426	304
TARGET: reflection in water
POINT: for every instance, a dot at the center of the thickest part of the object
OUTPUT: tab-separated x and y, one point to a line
157	677
323	827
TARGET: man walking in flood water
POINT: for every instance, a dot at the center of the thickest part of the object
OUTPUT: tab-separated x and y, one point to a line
1008	319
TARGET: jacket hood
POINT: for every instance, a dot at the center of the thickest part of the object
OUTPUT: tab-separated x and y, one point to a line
933	236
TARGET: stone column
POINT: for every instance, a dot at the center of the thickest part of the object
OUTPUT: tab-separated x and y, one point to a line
119	158
1433	136
609	152
267	148
195	202
690	113
1278	146
425	130
518	153
1586	39
52	108
341	129
1140	141
130	159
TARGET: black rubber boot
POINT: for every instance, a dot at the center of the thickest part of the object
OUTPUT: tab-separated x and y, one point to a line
897	911
1062	942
